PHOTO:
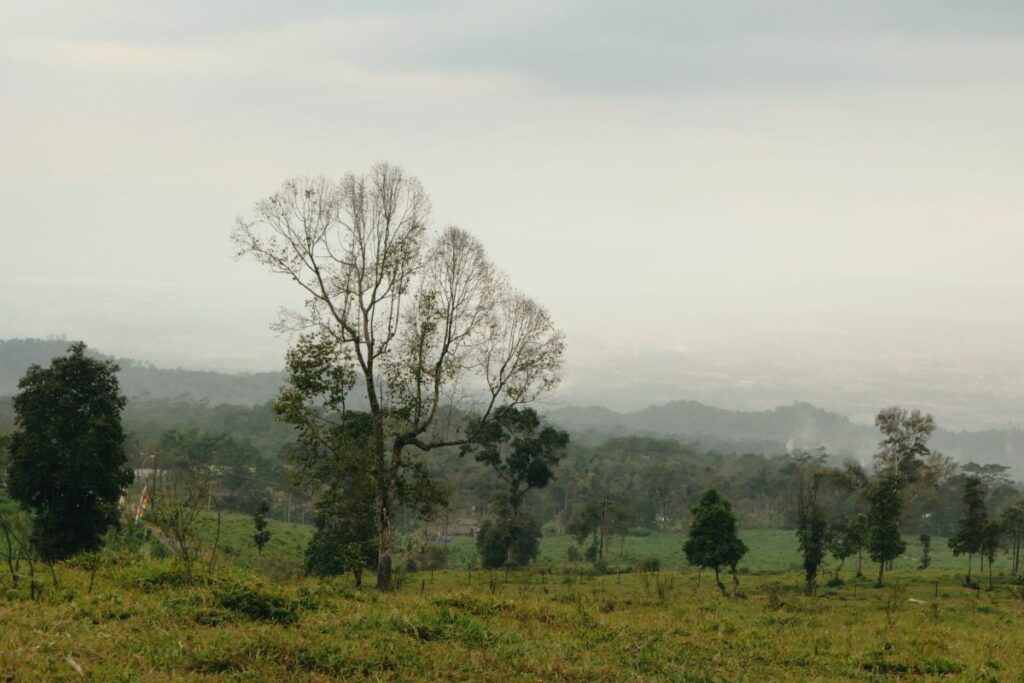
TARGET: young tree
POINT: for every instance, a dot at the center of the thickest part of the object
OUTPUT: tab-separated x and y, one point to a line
177	515
846	537
422	321
259	521
345	539
504	542
523	453
713	540
811	526
1013	530
926	550
334	460
970	531
68	465
885	503
991	538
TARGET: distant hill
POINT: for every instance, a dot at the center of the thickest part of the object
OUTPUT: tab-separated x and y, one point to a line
142	379
799	425
782	429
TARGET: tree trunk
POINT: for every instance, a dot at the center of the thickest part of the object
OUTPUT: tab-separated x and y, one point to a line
384	577
718	582
881	572
1016	552
970	560
840	567
860	563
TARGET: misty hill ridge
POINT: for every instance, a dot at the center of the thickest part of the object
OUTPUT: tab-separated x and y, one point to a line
779	430
798	425
140	379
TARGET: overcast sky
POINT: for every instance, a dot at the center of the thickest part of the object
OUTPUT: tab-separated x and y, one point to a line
793	200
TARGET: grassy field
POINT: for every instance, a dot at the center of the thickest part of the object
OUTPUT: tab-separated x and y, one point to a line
255	618
142	621
770	551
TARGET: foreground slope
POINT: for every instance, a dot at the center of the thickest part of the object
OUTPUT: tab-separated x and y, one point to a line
143	620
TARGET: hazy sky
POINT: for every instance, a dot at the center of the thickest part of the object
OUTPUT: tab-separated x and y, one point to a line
789	199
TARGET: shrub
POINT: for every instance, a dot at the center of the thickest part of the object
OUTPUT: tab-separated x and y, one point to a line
648	564
502	541
259	605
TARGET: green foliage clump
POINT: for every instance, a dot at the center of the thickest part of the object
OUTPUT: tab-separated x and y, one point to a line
885	505
507	542
259	521
68	466
713	540
257	604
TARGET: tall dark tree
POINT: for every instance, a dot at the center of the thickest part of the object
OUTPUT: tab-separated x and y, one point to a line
1012	521
885	504
68	465
713	541
926	550
970	531
811	525
523	452
991	538
261	536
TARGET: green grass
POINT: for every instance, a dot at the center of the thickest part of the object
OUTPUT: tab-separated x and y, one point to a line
773	550
285	550
144	622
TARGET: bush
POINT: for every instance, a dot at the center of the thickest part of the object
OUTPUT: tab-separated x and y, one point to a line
259	605
431	557
502	541
573	554
648	564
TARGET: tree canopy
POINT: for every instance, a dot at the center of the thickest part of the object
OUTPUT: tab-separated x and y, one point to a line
68	465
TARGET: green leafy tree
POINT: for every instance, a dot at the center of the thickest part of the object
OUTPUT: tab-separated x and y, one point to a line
713	541
846	537
991	539
1012	520
345	539
970	531
68	465
903	454
523	453
885	504
926	551
422	320
811	525
504	541
259	521
334	459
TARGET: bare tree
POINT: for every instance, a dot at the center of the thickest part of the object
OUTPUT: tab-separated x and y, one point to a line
424	321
